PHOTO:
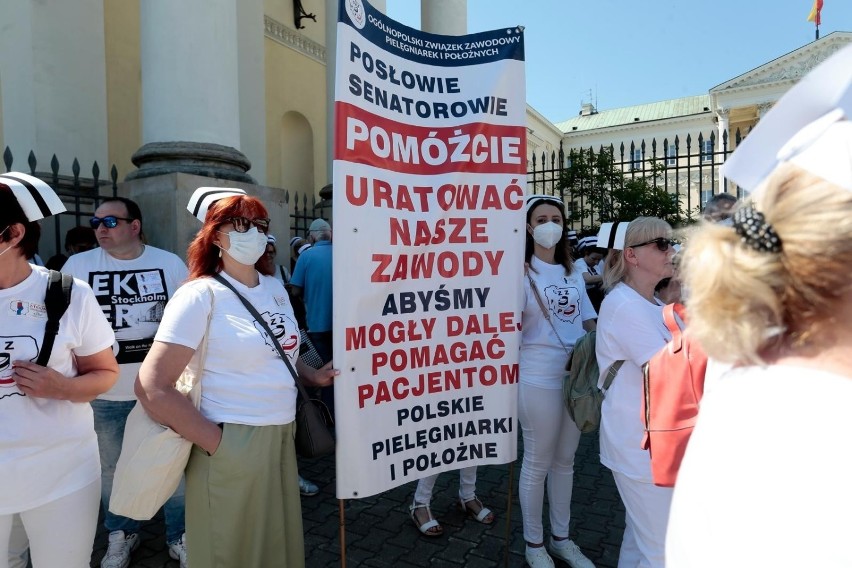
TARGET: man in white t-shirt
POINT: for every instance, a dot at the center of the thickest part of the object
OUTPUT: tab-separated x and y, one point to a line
132	283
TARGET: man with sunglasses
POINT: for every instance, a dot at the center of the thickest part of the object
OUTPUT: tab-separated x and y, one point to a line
132	282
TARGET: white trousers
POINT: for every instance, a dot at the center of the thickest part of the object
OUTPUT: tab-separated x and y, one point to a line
467	486
647	507
550	442
61	533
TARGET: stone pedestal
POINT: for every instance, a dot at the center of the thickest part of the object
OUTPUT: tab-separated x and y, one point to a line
195	158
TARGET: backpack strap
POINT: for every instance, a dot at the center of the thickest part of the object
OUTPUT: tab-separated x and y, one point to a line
57	298
611	373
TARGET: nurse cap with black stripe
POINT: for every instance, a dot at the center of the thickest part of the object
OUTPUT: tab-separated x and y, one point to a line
612	235
36	198
203	197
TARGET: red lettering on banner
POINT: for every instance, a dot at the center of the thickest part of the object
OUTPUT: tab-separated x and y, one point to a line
365	138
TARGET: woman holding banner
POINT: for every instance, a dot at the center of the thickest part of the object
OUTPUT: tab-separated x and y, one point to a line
242	489
557	311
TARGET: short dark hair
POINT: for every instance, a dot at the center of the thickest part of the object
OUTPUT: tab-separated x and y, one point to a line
80	236
12	213
133	211
714	203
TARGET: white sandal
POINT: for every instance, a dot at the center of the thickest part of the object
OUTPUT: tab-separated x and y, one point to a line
426	528
481	515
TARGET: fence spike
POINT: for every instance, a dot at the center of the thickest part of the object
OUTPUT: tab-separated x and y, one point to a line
31	160
7	158
96	174
54	168
75	169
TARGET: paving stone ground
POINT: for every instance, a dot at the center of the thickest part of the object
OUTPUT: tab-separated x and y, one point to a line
379	532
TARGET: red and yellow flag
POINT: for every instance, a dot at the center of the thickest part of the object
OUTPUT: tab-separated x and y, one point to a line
814	15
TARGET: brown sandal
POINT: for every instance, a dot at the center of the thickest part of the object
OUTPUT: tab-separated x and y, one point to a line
477	511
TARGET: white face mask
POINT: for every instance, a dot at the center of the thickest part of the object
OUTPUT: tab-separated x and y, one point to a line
547	234
246	248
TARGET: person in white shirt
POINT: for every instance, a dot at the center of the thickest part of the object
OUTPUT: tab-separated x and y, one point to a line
556	313
631	329
132	282
48	447
242	492
765	477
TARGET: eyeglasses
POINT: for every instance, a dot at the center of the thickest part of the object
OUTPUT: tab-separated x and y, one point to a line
110	221
662	243
243	224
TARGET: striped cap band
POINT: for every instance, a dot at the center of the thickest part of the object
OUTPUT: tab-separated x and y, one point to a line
611	235
204	197
36	198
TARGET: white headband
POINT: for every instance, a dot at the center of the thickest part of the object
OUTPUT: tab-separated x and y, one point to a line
35	197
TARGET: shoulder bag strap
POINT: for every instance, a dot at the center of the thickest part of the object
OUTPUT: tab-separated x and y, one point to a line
611	373
259	319
545	312
57	298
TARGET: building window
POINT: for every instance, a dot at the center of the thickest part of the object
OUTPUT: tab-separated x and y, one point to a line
636	163
707	151
671	155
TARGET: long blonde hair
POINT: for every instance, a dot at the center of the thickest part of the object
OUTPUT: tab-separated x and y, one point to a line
744	303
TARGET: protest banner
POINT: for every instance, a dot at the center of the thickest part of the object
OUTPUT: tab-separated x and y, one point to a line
429	177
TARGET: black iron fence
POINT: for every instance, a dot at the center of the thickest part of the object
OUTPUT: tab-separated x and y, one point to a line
81	195
686	167
304	210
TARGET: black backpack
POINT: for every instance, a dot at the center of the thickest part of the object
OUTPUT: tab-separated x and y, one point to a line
57	298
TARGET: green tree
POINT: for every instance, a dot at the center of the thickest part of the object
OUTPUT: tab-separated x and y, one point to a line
601	192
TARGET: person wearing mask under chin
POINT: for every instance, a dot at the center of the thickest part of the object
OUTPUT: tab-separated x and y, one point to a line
557	312
242	489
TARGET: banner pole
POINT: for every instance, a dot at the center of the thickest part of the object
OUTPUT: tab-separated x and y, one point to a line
342	515
509	512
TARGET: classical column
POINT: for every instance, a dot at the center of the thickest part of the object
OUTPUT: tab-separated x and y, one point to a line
53	84
723	114
190	90
447	17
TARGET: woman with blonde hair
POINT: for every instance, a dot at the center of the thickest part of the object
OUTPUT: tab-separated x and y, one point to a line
242	490
630	331
765	478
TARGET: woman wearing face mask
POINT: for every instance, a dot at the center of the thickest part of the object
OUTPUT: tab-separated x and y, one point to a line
242	489
557	311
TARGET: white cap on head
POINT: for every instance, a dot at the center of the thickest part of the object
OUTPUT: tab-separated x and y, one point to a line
533	200
203	197
612	235
809	127
588	242
36	198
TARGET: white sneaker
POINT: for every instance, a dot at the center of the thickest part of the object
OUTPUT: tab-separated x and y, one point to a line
120	548
569	552
537	557
177	550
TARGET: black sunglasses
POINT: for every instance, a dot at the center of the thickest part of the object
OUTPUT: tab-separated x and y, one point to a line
110	221
243	224
662	243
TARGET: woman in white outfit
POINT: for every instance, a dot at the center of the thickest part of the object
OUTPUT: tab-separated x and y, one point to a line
550	329
765	478
49	464
631	329
421	514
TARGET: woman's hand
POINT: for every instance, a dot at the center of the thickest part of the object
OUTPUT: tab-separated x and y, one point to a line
322	377
97	374
41	382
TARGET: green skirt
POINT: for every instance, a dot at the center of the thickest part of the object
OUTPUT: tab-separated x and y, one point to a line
243	506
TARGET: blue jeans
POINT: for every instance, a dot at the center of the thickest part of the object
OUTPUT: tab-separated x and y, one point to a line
110	417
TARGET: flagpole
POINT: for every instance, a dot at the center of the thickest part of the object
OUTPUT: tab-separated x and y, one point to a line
817	31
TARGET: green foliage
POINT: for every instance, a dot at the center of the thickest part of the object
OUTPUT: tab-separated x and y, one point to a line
601	192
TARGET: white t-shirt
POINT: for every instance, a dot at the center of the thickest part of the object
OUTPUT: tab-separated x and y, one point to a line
282	274
132	295
244	379
48	447
581	267
630	328
543	358
766	476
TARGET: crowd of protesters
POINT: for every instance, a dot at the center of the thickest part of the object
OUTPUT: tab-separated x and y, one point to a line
765	279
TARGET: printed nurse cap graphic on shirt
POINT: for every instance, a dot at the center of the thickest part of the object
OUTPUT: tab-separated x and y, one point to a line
36	198
203	197
809	127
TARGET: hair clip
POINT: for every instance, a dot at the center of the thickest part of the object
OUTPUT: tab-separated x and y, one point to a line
750	224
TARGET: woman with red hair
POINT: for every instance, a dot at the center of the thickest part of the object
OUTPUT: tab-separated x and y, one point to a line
242	490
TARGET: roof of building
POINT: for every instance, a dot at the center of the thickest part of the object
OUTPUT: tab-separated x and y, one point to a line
639	113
